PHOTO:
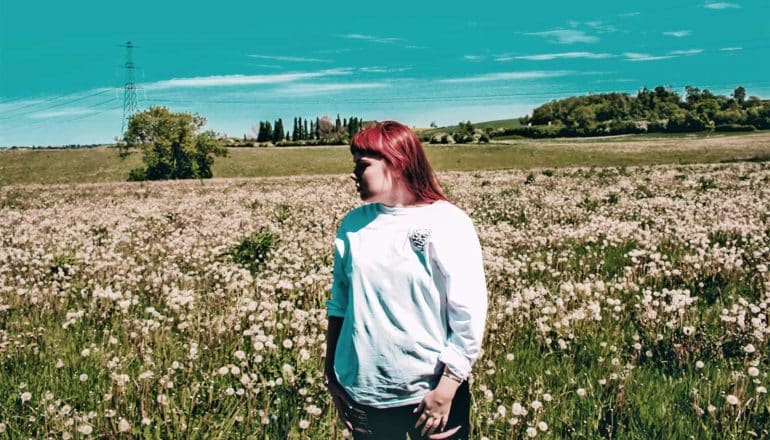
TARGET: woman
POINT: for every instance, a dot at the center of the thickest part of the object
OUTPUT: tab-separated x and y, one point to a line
408	303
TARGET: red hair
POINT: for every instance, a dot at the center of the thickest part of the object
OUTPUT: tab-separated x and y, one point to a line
401	149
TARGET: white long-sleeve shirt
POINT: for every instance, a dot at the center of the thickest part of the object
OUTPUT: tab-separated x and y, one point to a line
409	284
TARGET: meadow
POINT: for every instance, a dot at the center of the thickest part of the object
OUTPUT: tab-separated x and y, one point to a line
103	164
625	302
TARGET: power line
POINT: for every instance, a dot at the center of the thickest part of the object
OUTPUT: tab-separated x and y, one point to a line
23	123
57	105
36	102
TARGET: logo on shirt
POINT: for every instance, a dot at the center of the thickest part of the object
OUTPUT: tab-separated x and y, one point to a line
418	238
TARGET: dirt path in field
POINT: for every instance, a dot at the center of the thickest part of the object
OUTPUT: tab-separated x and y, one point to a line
631	143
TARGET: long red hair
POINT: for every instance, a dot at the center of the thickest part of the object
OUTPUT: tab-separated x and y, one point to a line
400	147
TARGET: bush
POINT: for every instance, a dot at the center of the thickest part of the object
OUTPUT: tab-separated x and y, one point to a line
255	249
171	145
137	175
442	138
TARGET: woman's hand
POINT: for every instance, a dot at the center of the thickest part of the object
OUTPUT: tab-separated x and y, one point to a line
435	406
341	400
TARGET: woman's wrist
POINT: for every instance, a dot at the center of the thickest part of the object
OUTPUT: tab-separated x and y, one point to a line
449	374
447	387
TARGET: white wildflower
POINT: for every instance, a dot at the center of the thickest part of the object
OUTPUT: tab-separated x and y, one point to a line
123	425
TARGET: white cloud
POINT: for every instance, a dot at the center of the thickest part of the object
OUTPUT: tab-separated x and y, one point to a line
384	40
634	56
721	5
615	80
554	56
678	34
686	52
730	49
267	66
504	76
379	69
290	59
315	89
75	111
601	27
566	36
473	58
240	80
629	14
335	51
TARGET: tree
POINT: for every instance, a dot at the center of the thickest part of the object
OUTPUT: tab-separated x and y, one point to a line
278	131
172	145
692	94
582	118
739	94
265	132
324	127
464	128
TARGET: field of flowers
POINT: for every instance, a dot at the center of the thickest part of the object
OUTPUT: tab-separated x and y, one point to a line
624	303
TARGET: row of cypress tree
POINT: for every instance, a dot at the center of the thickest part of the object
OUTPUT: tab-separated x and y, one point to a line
304	129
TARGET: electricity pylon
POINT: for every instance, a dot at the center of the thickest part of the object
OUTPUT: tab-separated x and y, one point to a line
130	104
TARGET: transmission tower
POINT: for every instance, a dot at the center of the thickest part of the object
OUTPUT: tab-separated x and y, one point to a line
130	105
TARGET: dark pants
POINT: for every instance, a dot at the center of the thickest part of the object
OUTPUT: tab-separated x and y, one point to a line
395	423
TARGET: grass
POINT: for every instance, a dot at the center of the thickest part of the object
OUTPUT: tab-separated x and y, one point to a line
583	329
501	123
103	164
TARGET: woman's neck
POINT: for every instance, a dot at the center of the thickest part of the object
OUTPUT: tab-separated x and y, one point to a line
400	197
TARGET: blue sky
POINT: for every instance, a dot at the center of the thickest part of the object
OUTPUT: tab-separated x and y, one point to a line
236	63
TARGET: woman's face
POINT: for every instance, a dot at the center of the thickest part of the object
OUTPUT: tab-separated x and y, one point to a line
373	177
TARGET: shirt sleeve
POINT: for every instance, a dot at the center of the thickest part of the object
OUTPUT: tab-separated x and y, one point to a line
459	258
338	304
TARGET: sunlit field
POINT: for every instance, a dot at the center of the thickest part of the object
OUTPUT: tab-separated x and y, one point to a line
624	303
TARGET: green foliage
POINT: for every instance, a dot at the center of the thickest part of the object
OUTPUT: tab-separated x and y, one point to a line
172	146
657	110
255	249
706	183
530	179
465	128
